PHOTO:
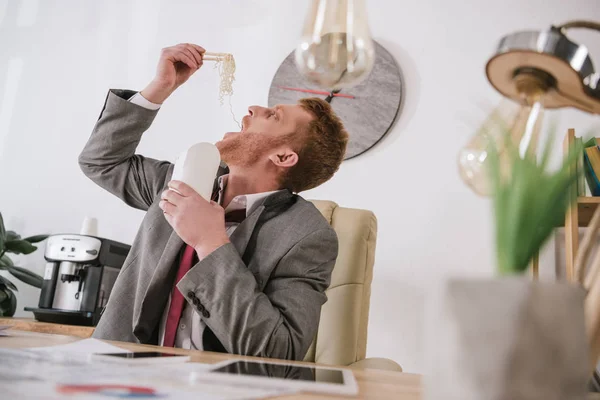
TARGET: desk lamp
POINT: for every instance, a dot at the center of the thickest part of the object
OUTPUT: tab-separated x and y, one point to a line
535	71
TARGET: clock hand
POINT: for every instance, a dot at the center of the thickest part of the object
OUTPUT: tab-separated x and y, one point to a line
331	95
346	96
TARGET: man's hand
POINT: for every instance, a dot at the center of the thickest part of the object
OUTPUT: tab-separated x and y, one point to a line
175	66
198	222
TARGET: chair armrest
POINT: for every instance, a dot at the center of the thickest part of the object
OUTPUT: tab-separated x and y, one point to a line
377	363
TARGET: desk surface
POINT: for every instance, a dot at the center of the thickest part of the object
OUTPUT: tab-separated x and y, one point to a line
31	325
373	384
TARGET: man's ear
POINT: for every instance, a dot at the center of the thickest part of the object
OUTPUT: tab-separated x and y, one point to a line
284	157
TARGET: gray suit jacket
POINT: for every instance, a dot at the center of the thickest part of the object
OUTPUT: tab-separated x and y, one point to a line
260	295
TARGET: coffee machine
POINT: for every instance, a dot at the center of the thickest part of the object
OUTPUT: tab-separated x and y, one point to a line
80	273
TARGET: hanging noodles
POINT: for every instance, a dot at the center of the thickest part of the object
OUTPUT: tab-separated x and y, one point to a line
225	63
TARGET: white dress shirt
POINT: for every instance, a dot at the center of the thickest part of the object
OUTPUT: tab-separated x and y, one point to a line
191	326
143	102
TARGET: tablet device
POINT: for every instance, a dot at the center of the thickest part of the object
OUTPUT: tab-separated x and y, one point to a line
143	357
309	378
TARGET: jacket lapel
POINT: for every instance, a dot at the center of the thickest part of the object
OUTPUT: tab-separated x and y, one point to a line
242	234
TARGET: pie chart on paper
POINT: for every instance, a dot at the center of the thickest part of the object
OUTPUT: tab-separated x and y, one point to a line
111	391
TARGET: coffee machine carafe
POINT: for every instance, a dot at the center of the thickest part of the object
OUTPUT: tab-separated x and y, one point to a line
79	276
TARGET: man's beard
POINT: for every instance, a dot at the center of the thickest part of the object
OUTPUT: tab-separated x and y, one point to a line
246	149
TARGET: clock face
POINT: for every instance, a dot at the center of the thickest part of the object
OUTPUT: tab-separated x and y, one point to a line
367	110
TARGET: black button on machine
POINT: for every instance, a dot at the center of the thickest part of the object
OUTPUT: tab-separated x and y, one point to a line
92	252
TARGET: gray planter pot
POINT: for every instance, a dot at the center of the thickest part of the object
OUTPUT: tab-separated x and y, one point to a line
507	339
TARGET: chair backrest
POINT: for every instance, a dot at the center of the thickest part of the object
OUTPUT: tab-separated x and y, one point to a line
342	335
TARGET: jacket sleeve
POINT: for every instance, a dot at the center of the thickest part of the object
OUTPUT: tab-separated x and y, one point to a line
279	322
109	157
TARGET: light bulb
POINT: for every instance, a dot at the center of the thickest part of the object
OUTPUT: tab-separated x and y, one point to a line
336	50
523	120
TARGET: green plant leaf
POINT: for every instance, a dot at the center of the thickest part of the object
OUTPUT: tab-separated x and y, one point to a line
4	281
12	235
24	275
529	202
5	259
2	234
5	262
36	238
3	295
20	247
9	305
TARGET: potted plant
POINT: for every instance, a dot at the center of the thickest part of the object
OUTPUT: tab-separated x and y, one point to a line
11	242
511	337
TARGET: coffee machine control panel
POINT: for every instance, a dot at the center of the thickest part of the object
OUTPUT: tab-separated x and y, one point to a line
74	248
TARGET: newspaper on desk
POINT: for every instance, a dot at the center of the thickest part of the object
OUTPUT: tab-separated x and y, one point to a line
67	371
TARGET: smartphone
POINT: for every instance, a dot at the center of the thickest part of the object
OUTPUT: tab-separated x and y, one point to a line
144	357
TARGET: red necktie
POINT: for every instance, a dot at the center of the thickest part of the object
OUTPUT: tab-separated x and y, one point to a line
177	299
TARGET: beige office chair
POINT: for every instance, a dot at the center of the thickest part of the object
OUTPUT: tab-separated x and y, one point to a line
342	335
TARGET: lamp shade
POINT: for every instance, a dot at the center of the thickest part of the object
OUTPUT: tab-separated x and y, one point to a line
534	71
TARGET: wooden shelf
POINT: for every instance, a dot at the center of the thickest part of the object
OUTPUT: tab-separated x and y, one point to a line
586	207
588	200
585	210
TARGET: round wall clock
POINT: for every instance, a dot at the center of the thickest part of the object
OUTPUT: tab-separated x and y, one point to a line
368	110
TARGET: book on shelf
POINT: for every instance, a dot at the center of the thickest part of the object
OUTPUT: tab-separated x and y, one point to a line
592	168
590	142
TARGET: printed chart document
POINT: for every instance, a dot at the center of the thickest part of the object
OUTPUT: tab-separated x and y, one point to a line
84	346
67	371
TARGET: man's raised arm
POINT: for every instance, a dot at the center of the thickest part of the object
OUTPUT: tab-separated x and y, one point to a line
109	157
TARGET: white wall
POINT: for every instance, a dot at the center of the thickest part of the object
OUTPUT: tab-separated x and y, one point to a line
58	58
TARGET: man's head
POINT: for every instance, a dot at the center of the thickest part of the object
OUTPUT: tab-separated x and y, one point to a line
301	145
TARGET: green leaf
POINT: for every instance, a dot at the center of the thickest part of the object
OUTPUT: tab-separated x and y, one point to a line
5	259
20	247
5	262
3	295
2	234
12	235
9	305
7	283
36	238
529	202
24	275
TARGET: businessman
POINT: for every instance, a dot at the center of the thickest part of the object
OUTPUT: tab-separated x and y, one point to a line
244	272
